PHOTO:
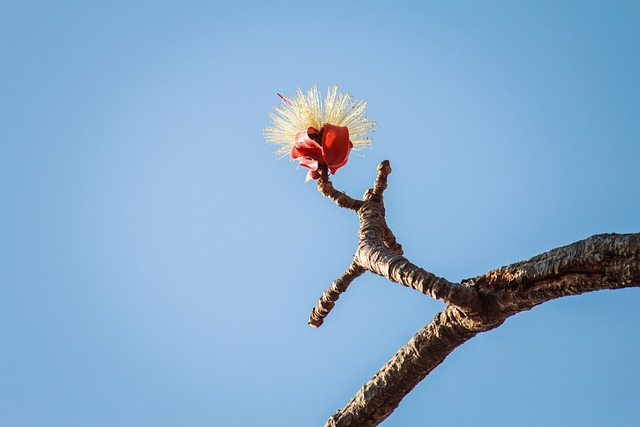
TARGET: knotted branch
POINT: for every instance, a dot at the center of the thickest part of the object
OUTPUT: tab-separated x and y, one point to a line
331	295
605	261
473	306
379	252
380	184
377	399
608	261
338	197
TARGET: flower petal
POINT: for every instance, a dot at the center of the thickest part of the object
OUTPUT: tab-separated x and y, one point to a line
306	146
312	174
308	162
335	146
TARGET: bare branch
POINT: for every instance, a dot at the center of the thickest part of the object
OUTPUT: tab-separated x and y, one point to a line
379	397
600	262
331	295
379	253
397	268
605	261
476	305
338	197
380	184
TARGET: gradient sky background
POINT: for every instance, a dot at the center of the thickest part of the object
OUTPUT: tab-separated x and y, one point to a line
158	264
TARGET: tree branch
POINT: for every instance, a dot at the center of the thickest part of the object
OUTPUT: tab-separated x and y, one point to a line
331	295
610	261
339	198
379	252
605	261
379	397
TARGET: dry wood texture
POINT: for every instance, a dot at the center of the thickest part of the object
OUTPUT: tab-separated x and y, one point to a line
608	261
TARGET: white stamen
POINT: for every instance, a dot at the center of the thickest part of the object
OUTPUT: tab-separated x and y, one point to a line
304	111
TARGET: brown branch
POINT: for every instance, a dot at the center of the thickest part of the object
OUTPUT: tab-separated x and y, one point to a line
395	267
380	184
605	261
475	305
339	198
379	397
331	295
600	262
379	252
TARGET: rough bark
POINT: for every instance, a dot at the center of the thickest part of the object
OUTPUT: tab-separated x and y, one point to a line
608	261
331	295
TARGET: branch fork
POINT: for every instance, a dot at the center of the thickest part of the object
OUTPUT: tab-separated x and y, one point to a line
608	261
379	252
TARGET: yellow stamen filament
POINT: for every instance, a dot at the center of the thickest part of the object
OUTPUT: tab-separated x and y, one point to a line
309	110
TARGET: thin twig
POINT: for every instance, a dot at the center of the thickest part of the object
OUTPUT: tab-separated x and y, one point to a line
384	169
332	294
338	197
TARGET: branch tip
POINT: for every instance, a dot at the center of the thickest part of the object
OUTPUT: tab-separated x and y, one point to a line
384	169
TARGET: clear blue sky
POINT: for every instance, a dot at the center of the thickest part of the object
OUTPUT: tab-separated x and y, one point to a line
158	264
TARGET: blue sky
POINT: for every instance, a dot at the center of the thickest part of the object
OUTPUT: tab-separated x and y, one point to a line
158	264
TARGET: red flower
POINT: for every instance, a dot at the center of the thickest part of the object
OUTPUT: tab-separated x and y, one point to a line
328	146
